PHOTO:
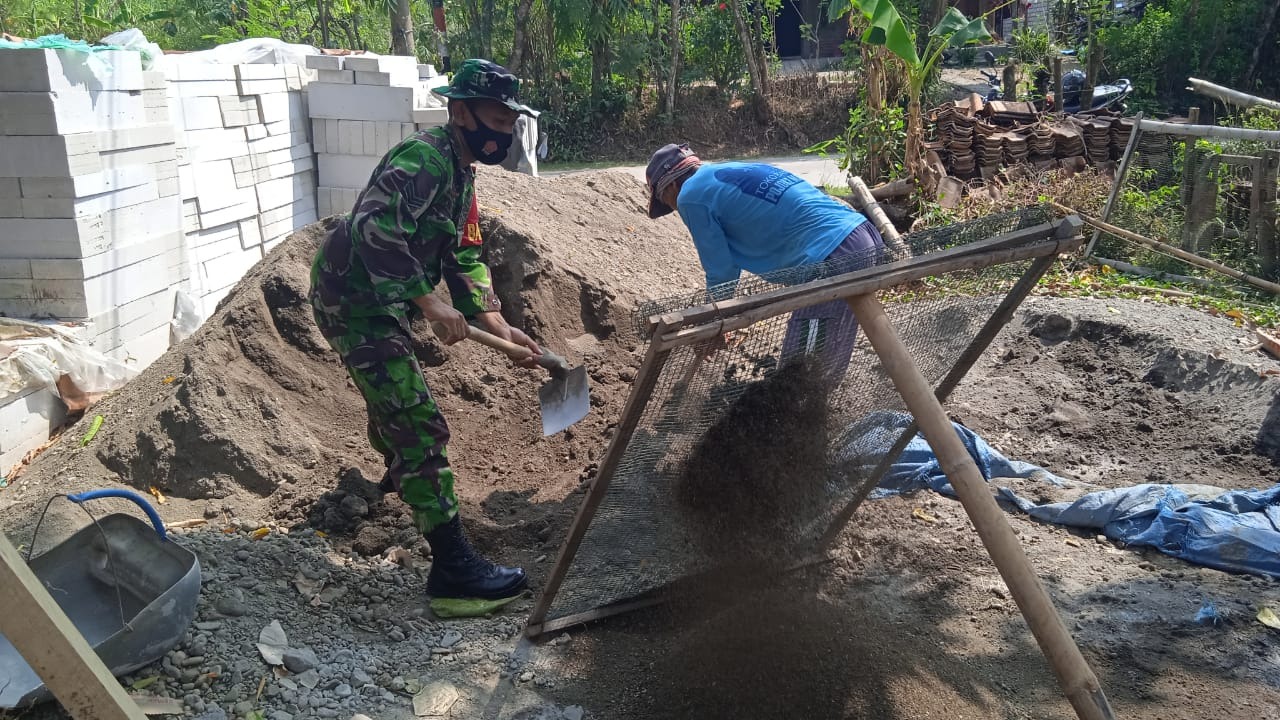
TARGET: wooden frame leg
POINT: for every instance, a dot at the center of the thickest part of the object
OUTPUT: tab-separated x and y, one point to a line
1075	676
47	640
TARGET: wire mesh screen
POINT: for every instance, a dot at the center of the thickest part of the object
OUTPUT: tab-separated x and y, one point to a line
1212	197
742	457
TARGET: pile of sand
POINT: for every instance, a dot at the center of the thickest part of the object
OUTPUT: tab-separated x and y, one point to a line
254	414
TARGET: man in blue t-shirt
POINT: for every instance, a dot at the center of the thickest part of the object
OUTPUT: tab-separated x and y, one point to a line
759	218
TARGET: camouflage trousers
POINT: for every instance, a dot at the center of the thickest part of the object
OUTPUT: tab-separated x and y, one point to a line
405	424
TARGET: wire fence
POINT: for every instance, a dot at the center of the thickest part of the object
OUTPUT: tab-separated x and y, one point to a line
1206	190
743	458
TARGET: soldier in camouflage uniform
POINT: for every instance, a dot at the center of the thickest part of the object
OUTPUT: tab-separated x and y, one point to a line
413	226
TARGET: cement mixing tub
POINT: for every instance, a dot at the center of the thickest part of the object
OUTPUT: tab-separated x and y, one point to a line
125	586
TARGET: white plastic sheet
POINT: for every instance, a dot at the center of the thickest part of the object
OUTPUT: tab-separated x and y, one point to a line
41	354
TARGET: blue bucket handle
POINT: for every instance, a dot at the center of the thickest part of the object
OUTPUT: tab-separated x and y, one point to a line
80	498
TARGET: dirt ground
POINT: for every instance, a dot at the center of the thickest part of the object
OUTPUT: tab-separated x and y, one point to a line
252	424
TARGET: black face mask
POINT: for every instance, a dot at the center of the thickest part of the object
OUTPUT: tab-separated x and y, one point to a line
481	136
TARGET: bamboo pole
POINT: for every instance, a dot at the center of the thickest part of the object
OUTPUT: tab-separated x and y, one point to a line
699	333
1213	131
868	204
1229	96
1058	100
1001	317
1176	252
1148	272
1078	682
927	263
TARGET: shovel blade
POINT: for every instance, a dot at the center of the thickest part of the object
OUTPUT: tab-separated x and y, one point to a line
564	401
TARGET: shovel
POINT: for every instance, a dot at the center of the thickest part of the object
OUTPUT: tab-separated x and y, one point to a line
564	399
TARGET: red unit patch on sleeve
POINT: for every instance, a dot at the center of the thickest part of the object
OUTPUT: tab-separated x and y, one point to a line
471	232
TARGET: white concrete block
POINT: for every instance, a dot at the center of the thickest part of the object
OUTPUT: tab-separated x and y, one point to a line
318	135
199	113
155	99
199	71
186	183
345	171
208	88
238	103
40	70
380	79
211	198
15	269
156	115
360	102
234	213
284	191
250	234
272	107
226	270
49	156
369	146
345	136
83	237
10	207
88	206
219	144
275	142
214	182
256	132
285	227
10	188
135	137
381	137
290	166
337	77
430	117
27	420
153	155
106	338
297	124
426	71
35	113
360	64
169	187
144	350
107	180
324	62
239	118
263	87
166	170
260	71
154	80
92	296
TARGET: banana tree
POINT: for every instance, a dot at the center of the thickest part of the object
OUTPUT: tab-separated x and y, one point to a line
887	28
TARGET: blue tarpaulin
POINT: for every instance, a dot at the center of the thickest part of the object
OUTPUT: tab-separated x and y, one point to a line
1236	530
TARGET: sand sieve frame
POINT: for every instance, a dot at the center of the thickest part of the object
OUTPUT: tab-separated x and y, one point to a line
1030	237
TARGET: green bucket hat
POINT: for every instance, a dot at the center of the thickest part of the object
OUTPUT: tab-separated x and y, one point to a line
486	80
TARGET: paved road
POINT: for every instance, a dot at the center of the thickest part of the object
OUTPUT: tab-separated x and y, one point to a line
817	170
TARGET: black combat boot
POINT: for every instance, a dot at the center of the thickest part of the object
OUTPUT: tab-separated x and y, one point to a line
459	573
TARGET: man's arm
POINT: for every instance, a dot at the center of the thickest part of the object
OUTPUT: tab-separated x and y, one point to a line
713	249
388	216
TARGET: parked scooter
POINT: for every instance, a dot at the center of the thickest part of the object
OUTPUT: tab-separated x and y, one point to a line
1110	96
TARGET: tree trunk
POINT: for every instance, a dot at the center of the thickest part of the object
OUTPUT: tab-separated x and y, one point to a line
518	41
673	81
599	49
322	7
1264	40
487	28
754	69
402	29
915	139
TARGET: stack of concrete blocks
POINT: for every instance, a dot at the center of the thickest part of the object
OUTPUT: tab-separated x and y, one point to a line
90	213
360	108
247	170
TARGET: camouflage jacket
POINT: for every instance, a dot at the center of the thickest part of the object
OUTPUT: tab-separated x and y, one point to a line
409	229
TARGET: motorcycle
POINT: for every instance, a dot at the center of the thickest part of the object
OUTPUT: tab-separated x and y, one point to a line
994	90
1110	96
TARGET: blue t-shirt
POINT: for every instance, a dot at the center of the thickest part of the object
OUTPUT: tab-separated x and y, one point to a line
759	218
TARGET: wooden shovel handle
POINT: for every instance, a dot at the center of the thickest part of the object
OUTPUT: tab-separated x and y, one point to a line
549	360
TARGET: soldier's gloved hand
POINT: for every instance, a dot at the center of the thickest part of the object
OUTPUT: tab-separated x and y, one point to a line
444	317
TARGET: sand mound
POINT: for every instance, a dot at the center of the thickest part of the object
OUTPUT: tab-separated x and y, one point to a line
255	411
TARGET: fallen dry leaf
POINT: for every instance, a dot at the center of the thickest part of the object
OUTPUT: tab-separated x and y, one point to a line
920	514
260	533
159	496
